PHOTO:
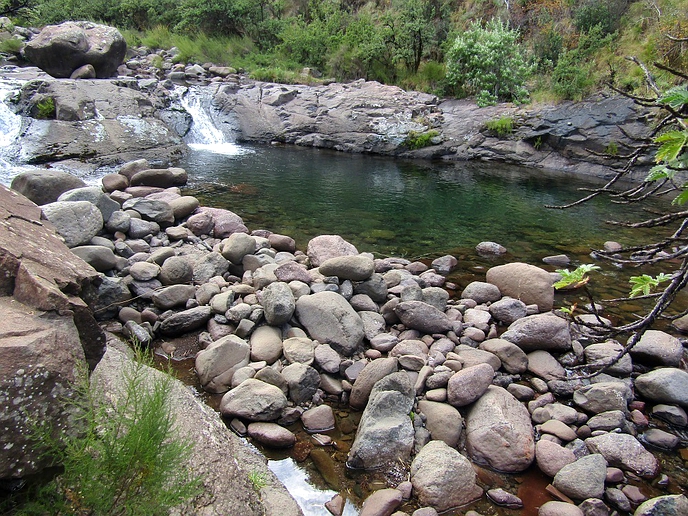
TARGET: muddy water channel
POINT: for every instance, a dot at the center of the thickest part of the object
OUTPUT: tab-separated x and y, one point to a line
419	211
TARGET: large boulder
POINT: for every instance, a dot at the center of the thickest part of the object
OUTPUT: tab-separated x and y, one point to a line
443	478
61	49
354	268
330	319
254	400
667	505
216	364
368	377
443	421
45	186
77	222
658	348
324	247
499	433
423	317
541	331
95	196
278	303
530	284
385	434
664	385
626	452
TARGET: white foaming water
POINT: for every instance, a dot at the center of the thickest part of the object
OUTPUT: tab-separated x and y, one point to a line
10	122
204	134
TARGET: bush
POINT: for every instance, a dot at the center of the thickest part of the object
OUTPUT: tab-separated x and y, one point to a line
489	62
501	127
125	458
415	141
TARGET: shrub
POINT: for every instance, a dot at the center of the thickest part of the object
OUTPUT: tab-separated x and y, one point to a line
489	62
415	140
501	127
45	108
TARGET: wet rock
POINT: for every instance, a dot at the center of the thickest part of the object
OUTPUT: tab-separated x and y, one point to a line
524	282
329	319
318	419
443	478
385	433
423	317
665	385
540	332
505	499
216	364
303	382
254	400
559	509
271	435
667	505
490	249
381	503
499	432
658	348
624	451
583	478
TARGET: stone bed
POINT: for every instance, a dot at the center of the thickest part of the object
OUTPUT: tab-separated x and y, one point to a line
484	378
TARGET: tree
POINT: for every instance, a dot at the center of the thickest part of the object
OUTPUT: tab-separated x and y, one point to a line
669	141
490	63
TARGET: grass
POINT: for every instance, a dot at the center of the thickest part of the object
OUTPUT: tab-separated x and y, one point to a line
415	140
124	457
45	108
502	127
258	480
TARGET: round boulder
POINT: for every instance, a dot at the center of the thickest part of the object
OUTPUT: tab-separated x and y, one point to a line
76	221
254	400
45	186
528	283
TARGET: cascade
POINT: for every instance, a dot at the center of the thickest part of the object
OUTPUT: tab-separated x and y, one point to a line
206	133
10	124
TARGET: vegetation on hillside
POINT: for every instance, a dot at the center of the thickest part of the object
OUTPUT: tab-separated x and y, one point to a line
562	49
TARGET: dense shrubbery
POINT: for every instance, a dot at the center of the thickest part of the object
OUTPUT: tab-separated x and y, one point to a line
404	42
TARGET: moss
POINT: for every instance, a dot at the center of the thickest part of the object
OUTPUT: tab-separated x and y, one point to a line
415	140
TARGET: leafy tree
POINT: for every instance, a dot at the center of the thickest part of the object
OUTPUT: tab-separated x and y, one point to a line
489	62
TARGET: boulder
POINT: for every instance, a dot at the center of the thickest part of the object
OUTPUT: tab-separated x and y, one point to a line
271	435
624	451
60	49
559	509
77	222
100	258
176	270
381	502
299	349
603	396
469	384
513	358
216	364
667	505
443	421
605	353
354	268
583	478
254	400
150	209
266	344
329	319
499	433
664	385
237	246
225	222
551	457
385	433
208	266
279	303
368	377
161	177
481	292
443	478
528	283
324	247
541	331
303	382
422	316
95	196
318	419
185	321
508	309
657	348
44	186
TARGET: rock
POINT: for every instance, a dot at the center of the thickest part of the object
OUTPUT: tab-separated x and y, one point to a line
551	457
499	432
671	413
201	223
225	222
664	385
105	299
443	421
605	353
303	382
329	319
354	268
508	310
324	247
368	377
183	206
490	249
279	303
469	384
527	283
150	209
583	478
658	348
209	266
318	419
624	451
443	478
504	499
95	196
513	359
541	331
161	177
271	435
299	349
176	270
216	364
559	509
254	400
385	433
603	396
422	316
558	429
112	182
144	271
185	321
44	186
544	365
667	505
237	246
381	503
173	296
444	264
266	344
77	222
481	292
100	258
61	49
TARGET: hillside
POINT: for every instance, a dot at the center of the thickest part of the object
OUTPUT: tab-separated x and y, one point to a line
570	47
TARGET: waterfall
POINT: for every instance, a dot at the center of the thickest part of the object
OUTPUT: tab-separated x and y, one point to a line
205	133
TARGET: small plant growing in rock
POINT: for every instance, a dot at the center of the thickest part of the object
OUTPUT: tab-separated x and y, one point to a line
415	140
45	108
501	127
258	480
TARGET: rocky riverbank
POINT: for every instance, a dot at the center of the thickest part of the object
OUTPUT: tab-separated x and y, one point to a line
480	378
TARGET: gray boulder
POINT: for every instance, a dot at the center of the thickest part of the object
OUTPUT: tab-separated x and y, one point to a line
237	246
95	196
100	258
667	505
626	452
541	331
658	348
254	400
443	478
61	49
161	177
499	432
324	247
508	309
208	266
266	344
303	382
583	478
77	222
603	396
469	384
216	364
185	321
329	319
151	209
664	385
423	317
443	421
481	292
279	303
45	186
604	353
173	296
513	358
354	268
176	270
528	283
368	377
385	433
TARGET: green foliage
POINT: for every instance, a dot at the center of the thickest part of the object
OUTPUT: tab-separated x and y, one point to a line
415	140
258	480
501	127
612	149
11	46
124	460
645	283
594	13
576	278
489	62
45	108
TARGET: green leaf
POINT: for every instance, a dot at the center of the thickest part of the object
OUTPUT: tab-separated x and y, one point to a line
675	98
681	198
672	144
645	284
659	172
576	278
